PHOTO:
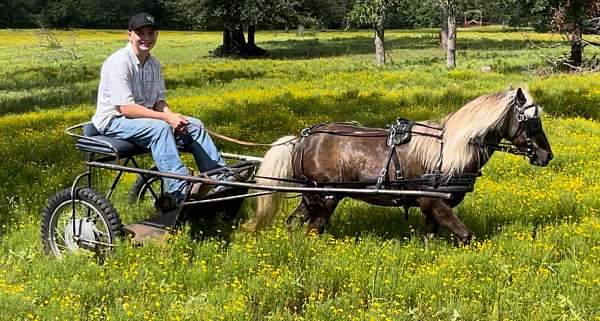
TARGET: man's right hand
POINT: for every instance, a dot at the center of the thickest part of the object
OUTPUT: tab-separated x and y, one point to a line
178	122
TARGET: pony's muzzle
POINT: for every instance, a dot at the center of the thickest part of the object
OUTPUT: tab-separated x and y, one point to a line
541	160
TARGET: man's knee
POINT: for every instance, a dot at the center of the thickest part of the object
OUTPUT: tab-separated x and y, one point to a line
196	123
160	130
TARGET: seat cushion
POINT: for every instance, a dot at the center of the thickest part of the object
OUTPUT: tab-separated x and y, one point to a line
123	147
94	145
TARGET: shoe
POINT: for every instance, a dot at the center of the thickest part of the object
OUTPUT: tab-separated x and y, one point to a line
227	177
199	189
168	202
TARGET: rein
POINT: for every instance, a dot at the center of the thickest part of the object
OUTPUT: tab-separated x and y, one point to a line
314	130
245	143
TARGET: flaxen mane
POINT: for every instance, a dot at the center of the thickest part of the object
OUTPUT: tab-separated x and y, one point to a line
473	121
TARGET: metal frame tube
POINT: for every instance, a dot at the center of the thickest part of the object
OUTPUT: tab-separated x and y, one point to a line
242	157
324	190
227	198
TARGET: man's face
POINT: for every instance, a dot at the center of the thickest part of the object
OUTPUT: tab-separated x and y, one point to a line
143	38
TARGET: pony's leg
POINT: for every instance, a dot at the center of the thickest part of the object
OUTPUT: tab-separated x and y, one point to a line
441	212
432	227
320	208
300	214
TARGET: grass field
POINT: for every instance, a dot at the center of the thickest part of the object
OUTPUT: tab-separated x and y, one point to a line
536	255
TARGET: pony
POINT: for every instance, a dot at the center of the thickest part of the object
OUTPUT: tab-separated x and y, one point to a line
342	152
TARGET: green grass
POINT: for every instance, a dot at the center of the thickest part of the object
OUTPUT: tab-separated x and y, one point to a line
536	255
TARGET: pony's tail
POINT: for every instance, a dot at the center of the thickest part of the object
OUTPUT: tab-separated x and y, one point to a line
277	163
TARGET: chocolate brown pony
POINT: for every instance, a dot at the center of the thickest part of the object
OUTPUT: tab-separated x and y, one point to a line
469	138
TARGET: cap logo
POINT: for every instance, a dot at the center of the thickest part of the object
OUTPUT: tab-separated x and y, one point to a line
150	19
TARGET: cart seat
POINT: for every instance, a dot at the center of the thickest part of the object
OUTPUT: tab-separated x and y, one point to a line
94	142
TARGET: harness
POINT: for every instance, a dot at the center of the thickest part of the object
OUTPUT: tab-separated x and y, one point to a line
401	133
398	134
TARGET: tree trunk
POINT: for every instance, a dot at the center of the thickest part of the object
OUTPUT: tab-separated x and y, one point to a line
444	32
226	39
251	32
300	30
238	42
379	36
576	46
451	46
576	53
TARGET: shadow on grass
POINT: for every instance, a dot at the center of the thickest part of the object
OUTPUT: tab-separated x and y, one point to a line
355	219
301	48
48	77
46	99
202	78
288	114
50	89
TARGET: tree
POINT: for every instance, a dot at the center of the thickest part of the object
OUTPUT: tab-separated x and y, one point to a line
568	18
233	17
573	19
19	13
449	10
373	12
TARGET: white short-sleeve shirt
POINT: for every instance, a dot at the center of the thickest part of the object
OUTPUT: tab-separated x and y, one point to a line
124	80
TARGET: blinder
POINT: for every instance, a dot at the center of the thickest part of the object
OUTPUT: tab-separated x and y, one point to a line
532	125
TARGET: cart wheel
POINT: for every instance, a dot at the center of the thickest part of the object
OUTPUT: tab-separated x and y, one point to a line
146	189
93	228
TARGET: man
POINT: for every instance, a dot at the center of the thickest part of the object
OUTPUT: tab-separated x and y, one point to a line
132	106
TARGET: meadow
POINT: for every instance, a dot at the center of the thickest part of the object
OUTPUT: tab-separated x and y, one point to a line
536	253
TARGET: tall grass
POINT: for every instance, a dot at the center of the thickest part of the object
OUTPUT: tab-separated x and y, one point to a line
536	253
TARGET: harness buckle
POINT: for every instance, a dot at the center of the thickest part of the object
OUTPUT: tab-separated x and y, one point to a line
382	174
305	132
399	175
390	140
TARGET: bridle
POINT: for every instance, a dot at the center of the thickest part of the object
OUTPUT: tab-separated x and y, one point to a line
531	126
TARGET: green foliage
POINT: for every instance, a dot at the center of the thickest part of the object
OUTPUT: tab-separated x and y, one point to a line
369	12
215	13
535	257
209	14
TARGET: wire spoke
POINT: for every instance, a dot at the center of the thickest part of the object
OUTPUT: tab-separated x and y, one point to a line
60	235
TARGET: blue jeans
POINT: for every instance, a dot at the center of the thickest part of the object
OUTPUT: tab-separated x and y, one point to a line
158	136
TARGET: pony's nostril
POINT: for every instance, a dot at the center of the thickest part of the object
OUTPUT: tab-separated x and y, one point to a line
550	156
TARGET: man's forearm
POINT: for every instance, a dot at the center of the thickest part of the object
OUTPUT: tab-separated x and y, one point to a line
176	121
139	111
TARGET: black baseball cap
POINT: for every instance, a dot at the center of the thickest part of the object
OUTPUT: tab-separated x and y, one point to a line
142	19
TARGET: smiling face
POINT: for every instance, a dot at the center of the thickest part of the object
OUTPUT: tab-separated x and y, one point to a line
142	40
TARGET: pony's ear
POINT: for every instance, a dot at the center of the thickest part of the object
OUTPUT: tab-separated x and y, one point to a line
520	97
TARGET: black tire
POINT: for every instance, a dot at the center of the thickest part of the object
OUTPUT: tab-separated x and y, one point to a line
96	223
146	189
